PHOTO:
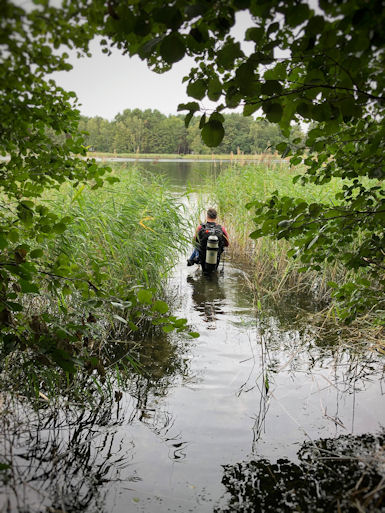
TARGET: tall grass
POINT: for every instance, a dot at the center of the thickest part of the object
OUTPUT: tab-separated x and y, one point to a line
274	272
130	231
121	237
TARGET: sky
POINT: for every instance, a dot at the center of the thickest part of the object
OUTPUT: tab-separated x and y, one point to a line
106	85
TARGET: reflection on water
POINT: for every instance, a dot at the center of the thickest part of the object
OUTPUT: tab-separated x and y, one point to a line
61	459
180	174
251	388
208	296
168	434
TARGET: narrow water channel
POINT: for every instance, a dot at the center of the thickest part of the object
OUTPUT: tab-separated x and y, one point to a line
210	416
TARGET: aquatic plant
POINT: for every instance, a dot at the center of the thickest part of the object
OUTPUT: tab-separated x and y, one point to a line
342	474
275	273
101	278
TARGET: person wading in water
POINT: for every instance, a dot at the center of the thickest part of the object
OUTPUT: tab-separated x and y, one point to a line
203	236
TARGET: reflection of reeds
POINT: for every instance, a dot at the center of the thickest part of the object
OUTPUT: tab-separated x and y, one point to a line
59	459
66	453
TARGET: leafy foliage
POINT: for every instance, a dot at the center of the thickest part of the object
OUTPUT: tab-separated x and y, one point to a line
41	280
324	67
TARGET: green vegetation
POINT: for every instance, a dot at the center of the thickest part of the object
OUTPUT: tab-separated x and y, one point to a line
324	68
97	280
130	232
149	131
279	269
275	273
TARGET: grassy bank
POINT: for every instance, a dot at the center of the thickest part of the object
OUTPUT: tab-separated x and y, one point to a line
262	157
100	282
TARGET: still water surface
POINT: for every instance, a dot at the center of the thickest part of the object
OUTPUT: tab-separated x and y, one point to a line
254	385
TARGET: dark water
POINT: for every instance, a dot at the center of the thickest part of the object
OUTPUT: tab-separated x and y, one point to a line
181	174
235	420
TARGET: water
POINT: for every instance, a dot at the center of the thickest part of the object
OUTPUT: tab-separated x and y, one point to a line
207	417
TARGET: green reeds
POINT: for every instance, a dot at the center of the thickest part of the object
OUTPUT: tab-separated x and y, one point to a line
130	232
274	272
119	239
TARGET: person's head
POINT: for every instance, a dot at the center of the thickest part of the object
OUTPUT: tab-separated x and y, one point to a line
211	213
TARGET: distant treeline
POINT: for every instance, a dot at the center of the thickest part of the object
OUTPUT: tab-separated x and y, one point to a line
150	131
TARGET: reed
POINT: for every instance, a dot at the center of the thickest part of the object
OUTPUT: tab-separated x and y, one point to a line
274	272
129	232
120	238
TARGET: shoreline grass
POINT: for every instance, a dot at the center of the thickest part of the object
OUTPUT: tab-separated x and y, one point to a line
274	272
262	157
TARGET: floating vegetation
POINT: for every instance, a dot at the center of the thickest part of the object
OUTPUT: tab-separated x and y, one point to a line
343	474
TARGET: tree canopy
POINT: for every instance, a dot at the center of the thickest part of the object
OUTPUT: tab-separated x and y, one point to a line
323	65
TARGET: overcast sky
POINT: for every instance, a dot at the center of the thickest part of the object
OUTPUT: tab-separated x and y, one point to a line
106	85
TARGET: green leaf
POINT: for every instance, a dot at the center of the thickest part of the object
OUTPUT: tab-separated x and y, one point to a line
3	241
36	253
180	323
160	306
59	228
254	34
271	88
28	287
227	55
15	307
295	161
217	116
297	14
273	111
281	147
169	15
194	334
213	133
197	89
214	89
172	48
191	106
314	209
188	118
249	109
144	296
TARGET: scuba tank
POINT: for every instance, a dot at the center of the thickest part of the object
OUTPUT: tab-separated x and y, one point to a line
212	250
